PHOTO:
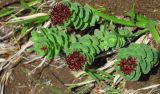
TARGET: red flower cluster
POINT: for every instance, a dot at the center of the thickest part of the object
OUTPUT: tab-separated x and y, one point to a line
75	61
43	49
59	14
127	66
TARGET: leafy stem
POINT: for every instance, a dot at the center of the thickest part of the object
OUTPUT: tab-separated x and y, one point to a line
148	25
151	26
140	32
116	20
135	60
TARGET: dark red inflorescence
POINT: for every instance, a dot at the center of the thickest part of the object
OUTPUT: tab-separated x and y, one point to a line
75	61
59	14
127	66
44	49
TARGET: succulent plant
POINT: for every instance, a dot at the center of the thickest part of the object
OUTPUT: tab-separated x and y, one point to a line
128	65
66	13
90	45
59	14
109	39
50	42
75	61
135	60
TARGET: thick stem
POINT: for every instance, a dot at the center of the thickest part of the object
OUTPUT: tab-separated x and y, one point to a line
152	29
118	21
150	25
140	32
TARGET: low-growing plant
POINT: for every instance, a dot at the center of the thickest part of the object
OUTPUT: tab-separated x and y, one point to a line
49	42
136	20
111	33
80	50
135	60
68	14
90	45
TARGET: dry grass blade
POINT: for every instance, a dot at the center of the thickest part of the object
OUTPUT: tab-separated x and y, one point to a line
32	60
108	64
80	84
18	54
7	49
144	39
145	88
6	36
2	60
116	80
1	88
27	18
40	65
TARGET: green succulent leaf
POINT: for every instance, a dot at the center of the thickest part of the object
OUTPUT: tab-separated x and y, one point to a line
130	76
142	55
54	40
81	16
137	74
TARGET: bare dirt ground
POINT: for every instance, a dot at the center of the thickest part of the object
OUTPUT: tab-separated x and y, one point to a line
21	82
149	8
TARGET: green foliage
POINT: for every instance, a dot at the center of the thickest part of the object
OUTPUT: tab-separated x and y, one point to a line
6	11
90	45
81	17
136	20
151	26
140	23
55	39
85	44
145	57
110	39
52	40
52	89
83	89
136	17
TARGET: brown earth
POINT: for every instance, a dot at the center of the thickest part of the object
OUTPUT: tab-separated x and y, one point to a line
21	82
149	8
146	80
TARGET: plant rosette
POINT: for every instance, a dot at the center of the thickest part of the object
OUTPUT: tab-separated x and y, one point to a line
78	61
66	13
135	60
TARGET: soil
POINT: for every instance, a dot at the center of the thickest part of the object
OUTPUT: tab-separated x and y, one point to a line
146	80
22	83
149	8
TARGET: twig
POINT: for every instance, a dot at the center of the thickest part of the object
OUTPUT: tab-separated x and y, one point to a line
1	88
34	59
145	88
116	80
7	35
40	65
110	52
2	60
80	84
108	64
